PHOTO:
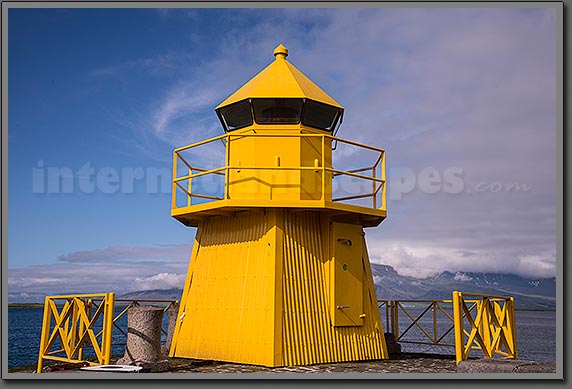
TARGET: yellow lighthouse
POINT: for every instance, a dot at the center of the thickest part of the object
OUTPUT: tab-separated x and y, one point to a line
279	273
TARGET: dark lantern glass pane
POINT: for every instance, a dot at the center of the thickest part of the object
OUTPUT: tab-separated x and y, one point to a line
277	110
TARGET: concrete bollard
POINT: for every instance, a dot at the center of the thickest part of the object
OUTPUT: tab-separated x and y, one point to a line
172	321
144	339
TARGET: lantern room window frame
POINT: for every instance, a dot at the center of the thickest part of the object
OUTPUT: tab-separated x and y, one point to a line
257	105
223	119
336	122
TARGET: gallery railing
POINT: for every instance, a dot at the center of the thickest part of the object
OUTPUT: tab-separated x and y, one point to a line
373	174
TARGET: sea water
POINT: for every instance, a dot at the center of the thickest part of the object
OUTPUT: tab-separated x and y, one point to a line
536	335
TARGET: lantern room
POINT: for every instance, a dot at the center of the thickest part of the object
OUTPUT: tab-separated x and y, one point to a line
280	94
279	134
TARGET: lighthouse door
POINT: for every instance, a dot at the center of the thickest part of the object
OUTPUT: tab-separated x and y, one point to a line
348	276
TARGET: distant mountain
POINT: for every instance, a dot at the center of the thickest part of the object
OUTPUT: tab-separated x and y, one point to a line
535	293
26	298
155	294
528	293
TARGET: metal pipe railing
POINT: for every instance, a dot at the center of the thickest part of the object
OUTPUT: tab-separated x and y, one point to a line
378	183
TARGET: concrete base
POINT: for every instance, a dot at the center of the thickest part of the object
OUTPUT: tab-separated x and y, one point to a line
504	366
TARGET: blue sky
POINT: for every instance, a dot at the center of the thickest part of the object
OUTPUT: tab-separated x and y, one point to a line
114	91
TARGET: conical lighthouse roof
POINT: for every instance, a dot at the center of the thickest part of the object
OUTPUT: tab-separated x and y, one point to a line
280	79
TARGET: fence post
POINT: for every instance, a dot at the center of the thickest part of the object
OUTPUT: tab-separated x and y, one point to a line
512	326
434	307
107	327
488	310
45	333
459	329
396	320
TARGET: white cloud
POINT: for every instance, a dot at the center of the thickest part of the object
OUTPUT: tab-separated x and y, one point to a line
159	281
119	276
180	116
427	259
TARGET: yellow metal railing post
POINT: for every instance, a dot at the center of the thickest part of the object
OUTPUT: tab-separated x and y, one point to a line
73	334
81	329
459	329
45	333
174	185
373	187
324	169
107	327
383	190
486	323
513	328
227	169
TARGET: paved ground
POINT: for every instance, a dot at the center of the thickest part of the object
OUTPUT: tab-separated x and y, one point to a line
406	363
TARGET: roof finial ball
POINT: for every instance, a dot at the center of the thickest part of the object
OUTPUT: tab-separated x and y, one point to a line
281	52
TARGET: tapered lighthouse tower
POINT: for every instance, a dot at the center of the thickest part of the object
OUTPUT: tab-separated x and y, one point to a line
279	273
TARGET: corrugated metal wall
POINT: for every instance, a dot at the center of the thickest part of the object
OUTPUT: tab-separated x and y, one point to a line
258	292
229	303
308	334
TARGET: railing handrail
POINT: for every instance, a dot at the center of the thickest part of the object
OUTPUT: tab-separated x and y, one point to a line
281	135
149	300
378	183
487	296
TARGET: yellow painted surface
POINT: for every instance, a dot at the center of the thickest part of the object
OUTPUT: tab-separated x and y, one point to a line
74	328
309	334
280	79
279	167
279	184
227	309
347	275
314	182
490	326
258	291
282	155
